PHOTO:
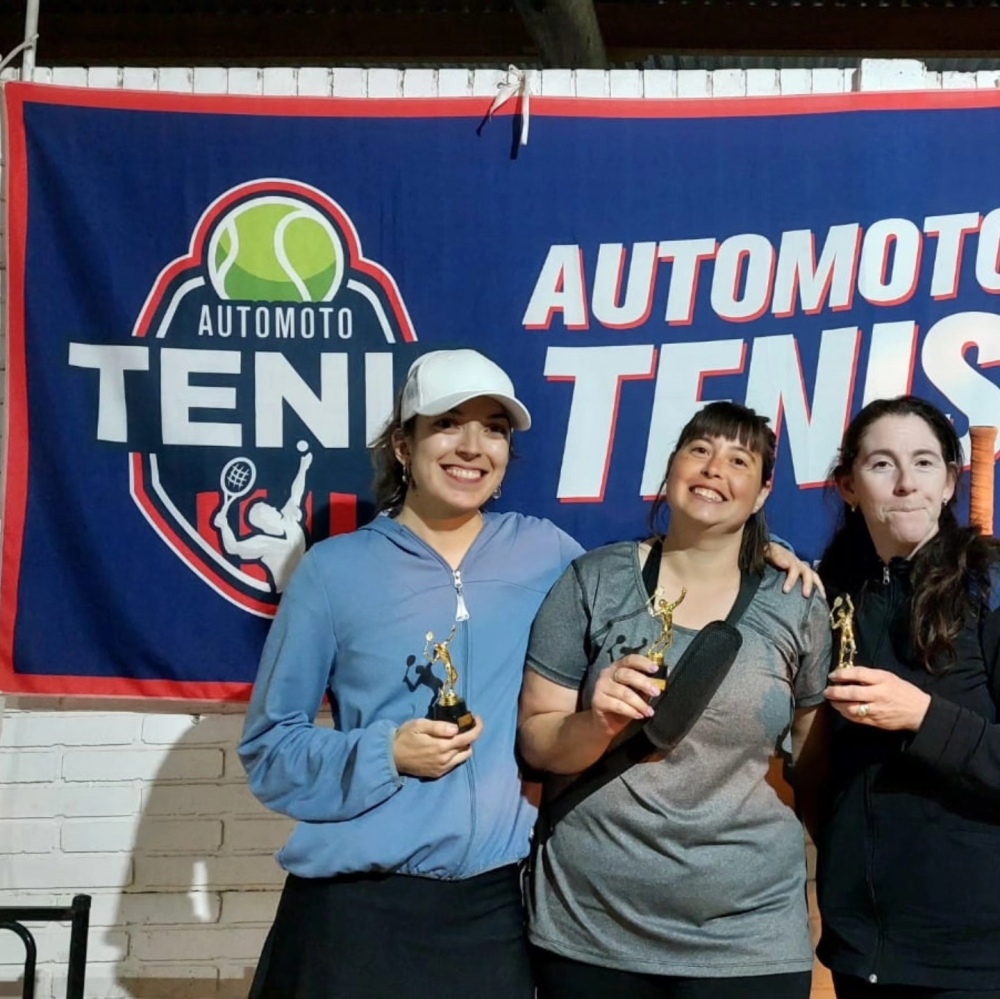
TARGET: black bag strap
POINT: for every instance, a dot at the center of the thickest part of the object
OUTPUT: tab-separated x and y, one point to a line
704	665
651	568
749	582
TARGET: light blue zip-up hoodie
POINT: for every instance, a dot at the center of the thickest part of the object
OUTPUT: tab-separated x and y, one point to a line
353	622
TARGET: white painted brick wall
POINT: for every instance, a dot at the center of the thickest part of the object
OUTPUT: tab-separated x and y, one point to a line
144	806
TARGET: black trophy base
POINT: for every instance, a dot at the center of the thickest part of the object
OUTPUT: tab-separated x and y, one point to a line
457	713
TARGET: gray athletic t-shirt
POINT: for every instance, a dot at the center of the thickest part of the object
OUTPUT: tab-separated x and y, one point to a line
688	864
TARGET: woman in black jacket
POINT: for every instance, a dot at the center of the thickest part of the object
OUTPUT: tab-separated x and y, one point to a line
909	849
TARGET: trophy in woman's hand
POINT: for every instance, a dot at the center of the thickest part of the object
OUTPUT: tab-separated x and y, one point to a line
842	620
663	609
448	706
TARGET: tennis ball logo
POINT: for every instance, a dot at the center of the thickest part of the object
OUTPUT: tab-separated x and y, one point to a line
276	249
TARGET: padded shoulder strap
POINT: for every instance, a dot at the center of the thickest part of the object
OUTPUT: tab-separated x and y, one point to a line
651	567
697	675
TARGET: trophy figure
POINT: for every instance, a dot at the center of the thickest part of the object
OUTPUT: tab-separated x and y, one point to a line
664	610
842	620
449	706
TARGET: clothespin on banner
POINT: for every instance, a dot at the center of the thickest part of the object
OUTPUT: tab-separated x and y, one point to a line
516	84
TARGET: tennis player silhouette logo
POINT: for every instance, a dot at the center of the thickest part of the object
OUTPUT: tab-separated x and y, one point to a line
278	541
272	347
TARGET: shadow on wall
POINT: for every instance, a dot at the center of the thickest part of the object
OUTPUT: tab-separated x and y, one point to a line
205	884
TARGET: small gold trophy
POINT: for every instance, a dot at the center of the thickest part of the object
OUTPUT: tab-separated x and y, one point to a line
842	620
449	706
664	610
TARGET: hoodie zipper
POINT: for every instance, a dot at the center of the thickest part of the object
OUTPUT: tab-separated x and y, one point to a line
461	611
462	614
890	596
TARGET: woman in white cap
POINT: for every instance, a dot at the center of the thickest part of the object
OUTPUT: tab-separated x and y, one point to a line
403	869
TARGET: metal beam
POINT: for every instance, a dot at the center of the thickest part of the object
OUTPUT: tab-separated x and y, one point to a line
566	32
30	38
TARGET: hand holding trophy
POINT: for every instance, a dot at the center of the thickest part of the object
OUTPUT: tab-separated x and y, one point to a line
842	620
657	652
448	706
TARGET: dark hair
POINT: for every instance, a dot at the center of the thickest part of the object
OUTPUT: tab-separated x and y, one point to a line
736	423
388	485
950	574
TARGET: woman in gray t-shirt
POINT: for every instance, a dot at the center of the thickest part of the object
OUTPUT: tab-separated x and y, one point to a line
685	875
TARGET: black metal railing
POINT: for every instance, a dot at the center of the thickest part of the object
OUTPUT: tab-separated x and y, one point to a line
13	918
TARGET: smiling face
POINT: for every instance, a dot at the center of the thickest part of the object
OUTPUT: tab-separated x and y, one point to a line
456	460
715	483
900	481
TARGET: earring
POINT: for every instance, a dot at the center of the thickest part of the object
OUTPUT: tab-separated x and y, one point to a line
854	507
405	474
497	492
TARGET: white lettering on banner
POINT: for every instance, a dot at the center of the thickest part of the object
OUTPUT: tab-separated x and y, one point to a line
597	374
828	284
178	396
812	424
744	271
112	362
560	288
276	382
944	359
378	394
891	359
638	299
776	388
954	354
950	231
988	253
275	322
750	278
679	382
890	262
687	255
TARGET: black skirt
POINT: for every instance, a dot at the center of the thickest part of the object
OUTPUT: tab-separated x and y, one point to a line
393	936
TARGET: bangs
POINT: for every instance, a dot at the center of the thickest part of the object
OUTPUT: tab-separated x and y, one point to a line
735	423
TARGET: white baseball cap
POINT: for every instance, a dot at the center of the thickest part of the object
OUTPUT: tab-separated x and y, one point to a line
443	379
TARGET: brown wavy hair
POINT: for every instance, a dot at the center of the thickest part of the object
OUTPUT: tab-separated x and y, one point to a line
388	486
950	575
736	423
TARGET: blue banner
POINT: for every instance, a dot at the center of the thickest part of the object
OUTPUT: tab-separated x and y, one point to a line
212	301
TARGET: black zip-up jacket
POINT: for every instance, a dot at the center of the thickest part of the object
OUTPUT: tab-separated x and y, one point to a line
909	852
